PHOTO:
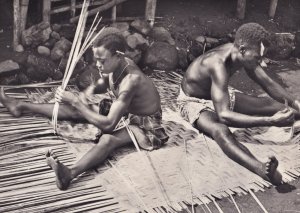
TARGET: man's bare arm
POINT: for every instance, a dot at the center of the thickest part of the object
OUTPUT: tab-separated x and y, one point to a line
273	89
220	97
117	110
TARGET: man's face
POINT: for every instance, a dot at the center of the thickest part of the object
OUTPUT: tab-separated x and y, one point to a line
105	61
252	55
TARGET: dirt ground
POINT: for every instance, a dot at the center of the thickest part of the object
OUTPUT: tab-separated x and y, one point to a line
216	18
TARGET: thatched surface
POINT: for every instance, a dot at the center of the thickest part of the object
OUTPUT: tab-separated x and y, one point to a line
27	184
162	178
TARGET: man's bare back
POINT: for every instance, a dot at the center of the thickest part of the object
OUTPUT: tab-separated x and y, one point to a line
197	79
146	100
210	105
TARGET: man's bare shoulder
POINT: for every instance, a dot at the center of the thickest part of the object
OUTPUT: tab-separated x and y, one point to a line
217	54
132	80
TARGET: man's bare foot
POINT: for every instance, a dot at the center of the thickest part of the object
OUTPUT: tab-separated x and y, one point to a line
63	173
271	171
10	103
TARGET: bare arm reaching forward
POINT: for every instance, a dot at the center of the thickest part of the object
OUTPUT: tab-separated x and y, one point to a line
117	110
220	97
272	88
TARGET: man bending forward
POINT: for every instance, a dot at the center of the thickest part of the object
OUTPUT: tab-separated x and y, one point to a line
211	105
137	98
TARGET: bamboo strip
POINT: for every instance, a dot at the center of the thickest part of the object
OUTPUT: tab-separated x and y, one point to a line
58	197
52	190
54	206
72	58
258	202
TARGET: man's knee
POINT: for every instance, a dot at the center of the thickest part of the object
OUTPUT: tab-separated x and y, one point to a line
221	132
106	140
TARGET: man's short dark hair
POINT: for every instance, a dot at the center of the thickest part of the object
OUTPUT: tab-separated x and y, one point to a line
252	34
112	42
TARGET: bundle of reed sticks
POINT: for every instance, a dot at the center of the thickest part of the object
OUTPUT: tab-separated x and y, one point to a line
79	47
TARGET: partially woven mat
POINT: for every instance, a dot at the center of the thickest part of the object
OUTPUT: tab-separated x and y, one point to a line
27	184
190	165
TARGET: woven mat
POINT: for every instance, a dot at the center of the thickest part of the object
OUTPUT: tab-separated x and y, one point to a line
190	164
27	184
163	180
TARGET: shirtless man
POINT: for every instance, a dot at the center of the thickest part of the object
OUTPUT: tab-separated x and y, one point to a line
136	96
210	105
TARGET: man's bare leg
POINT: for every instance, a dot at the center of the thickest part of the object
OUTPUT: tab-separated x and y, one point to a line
208	123
94	157
16	108
263	106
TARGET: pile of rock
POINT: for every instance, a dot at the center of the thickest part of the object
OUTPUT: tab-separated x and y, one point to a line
47	50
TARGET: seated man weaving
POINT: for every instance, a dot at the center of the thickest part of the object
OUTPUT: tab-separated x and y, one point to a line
136	97
210	105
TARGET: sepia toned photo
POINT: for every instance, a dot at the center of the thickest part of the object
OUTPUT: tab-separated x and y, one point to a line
155	106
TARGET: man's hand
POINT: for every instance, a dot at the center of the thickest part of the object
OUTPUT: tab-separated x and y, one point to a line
284	117
296	105
65	96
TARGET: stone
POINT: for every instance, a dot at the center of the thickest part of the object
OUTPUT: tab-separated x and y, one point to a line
136	40
126	33
57	54
121	26
23	79
78	68
20	48
60	49
43	25
8	66
161	56
135	55
141	26
36	34
195	48
212	42
56	27
44	51
55	35
201	39
297	45
182	58
282	45
64	44
50	43
86	78
67	31
58	75
40	68
161	34
9	80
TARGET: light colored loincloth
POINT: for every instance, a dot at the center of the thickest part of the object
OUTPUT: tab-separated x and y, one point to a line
190	108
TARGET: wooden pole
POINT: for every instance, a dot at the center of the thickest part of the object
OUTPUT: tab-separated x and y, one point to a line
46	10
273	6
241	9
23	11
114	13
16	37
73	8
150	11
100	9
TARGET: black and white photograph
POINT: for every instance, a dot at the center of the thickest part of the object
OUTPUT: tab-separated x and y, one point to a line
151	106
